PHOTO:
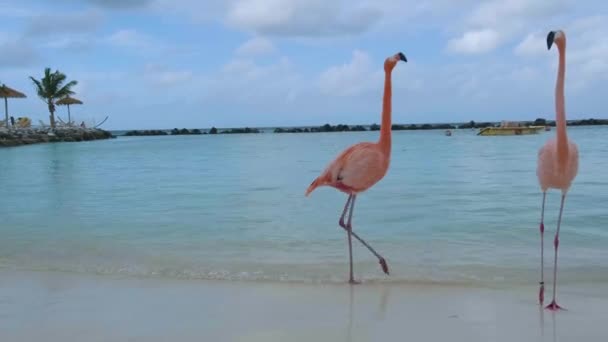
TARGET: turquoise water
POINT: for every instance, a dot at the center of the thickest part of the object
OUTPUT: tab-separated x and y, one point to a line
451	209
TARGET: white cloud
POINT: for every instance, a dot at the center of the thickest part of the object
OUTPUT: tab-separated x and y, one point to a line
350	79
473	42
174	77
315	18
268	86
120	4
533	45
587	55
140	43
525	74
77	22
248	70
505	13
73	43
108	4
256	46
13	11
17	54
130	38
196	10
493	23
160	75
302	17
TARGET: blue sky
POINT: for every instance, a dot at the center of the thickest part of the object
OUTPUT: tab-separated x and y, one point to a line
232	63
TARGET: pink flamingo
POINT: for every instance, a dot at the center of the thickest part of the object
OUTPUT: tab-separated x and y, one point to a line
557	161
361	166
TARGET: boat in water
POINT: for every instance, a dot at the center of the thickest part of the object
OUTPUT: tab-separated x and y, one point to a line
510	128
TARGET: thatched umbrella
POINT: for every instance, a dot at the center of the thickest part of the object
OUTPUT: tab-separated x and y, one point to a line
68	101
6	92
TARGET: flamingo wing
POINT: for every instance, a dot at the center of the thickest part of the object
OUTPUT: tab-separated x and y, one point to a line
362	166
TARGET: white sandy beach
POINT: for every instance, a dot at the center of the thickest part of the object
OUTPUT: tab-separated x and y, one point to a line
69	307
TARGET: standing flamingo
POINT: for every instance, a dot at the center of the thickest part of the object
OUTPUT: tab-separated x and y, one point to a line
557	161
361	166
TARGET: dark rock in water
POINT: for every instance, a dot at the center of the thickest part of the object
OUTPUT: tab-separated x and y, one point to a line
324	128
358	128
292	130
374	127
241	131
444	126
144	133
588	122
471	124
17	137
185	131
213	130
9	143
485	124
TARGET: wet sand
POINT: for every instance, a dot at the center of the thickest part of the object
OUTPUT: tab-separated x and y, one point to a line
36	306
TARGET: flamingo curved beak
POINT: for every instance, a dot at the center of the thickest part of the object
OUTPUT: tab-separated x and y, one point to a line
550	38
402	57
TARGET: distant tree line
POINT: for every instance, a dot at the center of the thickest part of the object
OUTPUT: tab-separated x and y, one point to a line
185	131
359	128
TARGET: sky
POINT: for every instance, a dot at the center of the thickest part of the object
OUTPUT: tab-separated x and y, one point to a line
159	64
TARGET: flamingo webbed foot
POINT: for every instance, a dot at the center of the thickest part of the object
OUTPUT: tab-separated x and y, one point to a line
554	307
384	265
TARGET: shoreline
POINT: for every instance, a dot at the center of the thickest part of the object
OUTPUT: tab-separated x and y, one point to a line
28	136
67	307
328	128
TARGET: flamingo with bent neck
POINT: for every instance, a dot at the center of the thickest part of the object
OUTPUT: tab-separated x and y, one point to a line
361	166
557	162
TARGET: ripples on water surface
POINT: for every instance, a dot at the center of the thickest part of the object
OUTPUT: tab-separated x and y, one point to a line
451	209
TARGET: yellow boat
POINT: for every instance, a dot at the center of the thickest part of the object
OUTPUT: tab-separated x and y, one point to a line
507	128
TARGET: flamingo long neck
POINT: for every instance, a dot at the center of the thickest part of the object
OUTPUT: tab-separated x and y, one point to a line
385	128
560	112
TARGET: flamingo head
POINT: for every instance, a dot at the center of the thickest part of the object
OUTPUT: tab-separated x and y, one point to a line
558	37
390	62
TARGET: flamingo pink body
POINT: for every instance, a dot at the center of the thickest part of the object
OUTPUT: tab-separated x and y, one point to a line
551	173
557	164
362	165
355	170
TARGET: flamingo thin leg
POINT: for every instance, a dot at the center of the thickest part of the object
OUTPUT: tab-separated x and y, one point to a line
341	222
349	230
553	306
541	291
381	259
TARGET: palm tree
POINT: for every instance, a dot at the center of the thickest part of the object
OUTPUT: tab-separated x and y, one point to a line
51	88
